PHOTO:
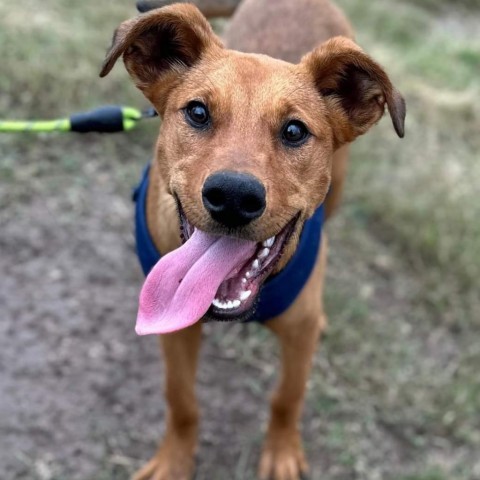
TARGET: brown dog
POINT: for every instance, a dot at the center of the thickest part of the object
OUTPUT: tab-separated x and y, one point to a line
273	137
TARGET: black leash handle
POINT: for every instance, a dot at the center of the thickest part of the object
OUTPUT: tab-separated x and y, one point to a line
108	119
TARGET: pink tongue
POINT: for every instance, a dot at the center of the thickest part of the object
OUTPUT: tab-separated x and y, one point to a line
182	285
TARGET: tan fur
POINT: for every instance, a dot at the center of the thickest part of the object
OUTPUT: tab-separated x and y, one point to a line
336	90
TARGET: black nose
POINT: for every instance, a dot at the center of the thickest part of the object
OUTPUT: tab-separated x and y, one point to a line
233	198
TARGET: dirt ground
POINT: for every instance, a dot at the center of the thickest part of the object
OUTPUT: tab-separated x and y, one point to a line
395	388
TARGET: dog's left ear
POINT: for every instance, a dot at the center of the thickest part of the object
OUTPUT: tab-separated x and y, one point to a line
355	89
159	46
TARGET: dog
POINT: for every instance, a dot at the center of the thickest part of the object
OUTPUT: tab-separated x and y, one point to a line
251	156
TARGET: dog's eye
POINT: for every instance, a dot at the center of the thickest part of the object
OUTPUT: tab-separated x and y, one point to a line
294	133
197	114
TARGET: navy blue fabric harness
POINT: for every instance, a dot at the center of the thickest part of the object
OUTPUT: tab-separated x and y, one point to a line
278	292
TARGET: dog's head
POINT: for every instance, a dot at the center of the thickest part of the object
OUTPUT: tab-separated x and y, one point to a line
246	141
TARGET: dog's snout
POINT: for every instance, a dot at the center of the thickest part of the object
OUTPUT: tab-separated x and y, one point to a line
234	198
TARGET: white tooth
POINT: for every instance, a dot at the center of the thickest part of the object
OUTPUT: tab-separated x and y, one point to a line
244	280
245	294
219	304
268	243
236	303
264	253
229	304
256	265
249	274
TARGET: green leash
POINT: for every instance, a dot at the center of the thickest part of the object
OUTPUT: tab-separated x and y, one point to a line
106	119
11	126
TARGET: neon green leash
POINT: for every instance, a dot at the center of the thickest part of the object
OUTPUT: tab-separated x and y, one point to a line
106	119
10	126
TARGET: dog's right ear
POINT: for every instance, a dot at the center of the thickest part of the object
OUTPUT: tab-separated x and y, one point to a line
159	46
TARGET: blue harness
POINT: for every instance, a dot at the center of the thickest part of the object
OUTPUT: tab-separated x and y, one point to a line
278	292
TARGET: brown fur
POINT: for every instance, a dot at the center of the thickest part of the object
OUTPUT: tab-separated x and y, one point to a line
336	90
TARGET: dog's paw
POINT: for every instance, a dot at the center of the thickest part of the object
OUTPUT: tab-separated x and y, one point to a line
170	463
283	457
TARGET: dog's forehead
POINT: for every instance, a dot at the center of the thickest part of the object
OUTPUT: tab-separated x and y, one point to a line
239	77
252	68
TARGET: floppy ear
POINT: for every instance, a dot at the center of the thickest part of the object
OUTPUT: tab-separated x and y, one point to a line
354	88
160	45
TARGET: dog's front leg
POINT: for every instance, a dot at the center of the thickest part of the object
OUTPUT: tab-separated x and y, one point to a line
282	455
175	457
298	331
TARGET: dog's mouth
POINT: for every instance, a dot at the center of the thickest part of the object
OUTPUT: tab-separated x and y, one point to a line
236	296
210	276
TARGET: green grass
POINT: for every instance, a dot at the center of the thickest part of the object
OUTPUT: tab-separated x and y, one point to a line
396	384
430	475
436	5
420	192
417	197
